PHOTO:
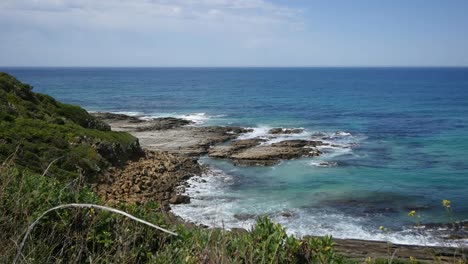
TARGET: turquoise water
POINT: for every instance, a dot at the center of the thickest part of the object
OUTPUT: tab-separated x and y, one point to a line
401	135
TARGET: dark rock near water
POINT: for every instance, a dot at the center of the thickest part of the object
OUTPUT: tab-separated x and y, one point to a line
275	131
244	217
136	123
108	117
417	207
328	164
179	199
286	214
272	154
164	123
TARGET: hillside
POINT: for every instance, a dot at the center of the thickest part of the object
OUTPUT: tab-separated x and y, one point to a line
39	129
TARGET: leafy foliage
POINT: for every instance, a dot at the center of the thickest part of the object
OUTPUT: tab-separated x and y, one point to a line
42	129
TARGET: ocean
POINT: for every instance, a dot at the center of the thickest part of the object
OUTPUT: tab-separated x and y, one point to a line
398	136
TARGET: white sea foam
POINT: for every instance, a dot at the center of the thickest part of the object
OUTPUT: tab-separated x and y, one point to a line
129	113
336	144
257	132
213	205
217	201
196	118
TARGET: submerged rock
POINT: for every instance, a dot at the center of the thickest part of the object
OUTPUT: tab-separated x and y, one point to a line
278	130
244	217
286	214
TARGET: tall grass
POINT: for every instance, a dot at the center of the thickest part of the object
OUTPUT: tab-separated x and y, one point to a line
87	235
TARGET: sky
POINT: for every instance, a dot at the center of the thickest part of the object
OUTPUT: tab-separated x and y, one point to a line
211	33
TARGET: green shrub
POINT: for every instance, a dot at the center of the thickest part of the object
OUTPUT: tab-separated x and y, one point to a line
38	129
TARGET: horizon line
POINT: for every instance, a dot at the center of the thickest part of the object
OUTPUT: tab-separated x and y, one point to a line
227	67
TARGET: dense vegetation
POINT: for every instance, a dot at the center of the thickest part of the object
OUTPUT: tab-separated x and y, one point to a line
36	130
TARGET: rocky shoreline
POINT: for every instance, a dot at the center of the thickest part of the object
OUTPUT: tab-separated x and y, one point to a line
175	135
156	176
172	148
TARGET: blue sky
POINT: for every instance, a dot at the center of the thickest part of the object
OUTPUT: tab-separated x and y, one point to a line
233	33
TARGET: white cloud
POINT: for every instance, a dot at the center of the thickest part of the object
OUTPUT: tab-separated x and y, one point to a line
143	15
144	32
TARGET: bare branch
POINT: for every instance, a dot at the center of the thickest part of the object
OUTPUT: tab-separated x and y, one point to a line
50	164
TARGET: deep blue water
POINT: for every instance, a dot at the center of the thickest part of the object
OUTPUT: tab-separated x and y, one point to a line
403	134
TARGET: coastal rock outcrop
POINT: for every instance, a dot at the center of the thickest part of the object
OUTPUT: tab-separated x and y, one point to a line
153	177
172	134
127	123
252	152
175	135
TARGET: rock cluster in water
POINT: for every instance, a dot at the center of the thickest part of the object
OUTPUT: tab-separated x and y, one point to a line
172	148
253	152
173	135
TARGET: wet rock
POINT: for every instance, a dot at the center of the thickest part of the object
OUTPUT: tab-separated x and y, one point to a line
272	154
164	123
327	164
225	152
297	143
417	207
246	143
278	130
109	117
244	217
383	210
179	199
286	214
251	152
463	225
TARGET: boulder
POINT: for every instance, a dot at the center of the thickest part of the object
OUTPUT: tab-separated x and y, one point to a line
179	199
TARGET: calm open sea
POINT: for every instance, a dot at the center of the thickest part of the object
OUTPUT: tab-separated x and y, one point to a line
400	137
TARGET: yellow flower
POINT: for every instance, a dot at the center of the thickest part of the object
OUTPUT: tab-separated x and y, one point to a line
446	203
412	260
412	213
368	260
